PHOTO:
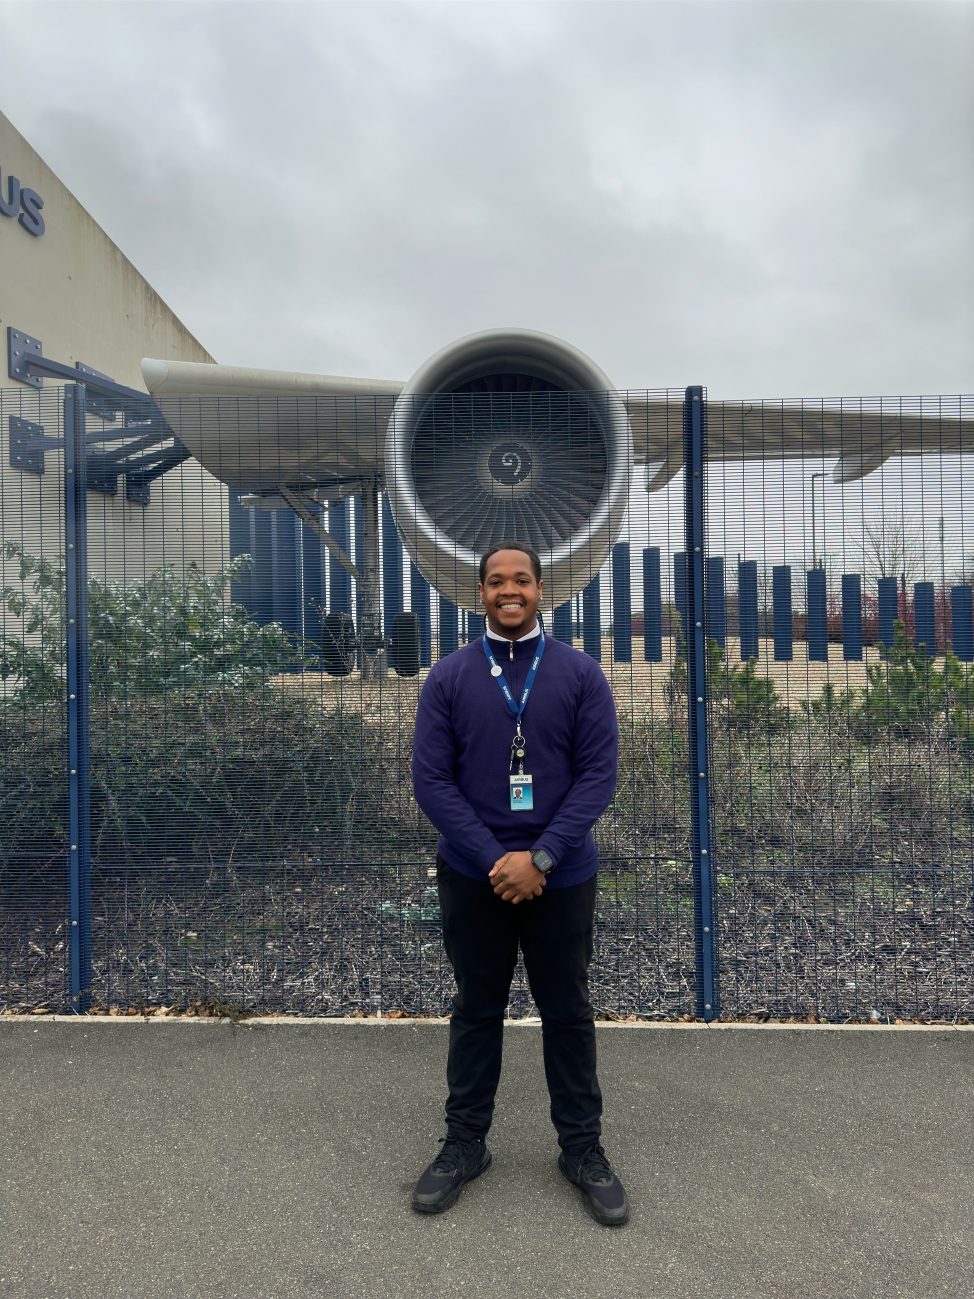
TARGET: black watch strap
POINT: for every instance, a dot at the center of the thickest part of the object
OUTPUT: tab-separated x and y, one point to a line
543	861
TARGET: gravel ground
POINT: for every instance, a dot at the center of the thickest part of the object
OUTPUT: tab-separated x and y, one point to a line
301	941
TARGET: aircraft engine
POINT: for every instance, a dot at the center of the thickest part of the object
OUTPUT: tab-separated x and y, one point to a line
508	434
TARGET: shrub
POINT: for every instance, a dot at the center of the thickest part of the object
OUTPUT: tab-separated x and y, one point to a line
909	693
175	630
745	701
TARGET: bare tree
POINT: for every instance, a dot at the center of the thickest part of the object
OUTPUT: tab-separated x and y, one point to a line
894	548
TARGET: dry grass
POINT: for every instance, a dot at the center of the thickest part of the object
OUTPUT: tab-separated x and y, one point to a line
636	685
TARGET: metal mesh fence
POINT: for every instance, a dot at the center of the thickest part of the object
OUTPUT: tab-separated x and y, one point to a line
841	695
34	819
262	613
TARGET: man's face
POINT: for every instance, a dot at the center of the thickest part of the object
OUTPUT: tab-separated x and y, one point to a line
510	593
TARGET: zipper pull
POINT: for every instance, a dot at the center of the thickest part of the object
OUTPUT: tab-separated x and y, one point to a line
511	644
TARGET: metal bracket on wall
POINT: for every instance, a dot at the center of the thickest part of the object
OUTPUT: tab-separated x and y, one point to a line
147	446
20	348
97	404
27	443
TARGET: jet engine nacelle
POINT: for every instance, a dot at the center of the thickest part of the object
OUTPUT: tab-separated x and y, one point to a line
508	434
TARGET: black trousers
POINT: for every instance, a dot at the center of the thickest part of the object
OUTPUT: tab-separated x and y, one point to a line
482	934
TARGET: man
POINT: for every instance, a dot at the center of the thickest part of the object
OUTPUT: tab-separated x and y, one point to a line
514	760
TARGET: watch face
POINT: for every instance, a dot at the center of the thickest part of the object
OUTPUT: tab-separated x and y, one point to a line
542	861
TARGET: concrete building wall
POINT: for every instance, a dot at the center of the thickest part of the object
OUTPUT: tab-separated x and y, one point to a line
73	289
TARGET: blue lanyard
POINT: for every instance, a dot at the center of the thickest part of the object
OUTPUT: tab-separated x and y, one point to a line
516	709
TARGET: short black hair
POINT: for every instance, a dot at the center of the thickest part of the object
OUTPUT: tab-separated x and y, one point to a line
511	545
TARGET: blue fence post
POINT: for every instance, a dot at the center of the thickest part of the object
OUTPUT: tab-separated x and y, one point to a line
924	603
419	603
851	616
652	606
79	776
781	607
889	609
561	622
700	824
962	623
747	607
592	619
339	578
449	634
621	604
816	616
716	601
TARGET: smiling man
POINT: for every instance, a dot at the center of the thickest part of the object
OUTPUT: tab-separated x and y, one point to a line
514	760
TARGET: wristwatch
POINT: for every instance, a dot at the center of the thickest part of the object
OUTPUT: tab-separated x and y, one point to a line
543	861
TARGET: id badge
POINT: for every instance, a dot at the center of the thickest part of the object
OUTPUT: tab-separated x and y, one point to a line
522	793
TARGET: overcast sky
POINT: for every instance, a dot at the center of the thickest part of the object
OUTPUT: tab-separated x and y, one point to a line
771	199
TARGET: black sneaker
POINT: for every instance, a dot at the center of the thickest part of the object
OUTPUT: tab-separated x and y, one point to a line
604	1194
442	1181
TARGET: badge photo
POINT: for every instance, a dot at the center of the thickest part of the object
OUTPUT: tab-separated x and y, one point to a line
522	793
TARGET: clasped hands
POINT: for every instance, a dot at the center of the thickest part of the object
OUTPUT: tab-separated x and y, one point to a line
515	878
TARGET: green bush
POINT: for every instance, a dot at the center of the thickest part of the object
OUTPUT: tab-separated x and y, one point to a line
742	700
250	776
194	755
908	695
176	630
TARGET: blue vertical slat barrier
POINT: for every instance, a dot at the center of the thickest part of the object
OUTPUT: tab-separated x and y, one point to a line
716	601
419	602
313	566
680	592
475	626
285	571
79	793
962	622
817	622
781	606
592	619
652	606
449	638
889	610
392	583
701	838
561	623
851	616
239	528
261	604
359	557
621	604
747	607
339	578
925	613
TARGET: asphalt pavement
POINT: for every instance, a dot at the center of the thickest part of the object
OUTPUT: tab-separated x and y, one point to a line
211	1160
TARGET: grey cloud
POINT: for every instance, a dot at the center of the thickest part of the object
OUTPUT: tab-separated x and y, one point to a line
764	198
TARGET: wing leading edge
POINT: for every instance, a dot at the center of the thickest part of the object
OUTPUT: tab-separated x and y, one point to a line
308	431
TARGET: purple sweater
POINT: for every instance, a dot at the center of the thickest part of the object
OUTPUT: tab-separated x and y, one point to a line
462	750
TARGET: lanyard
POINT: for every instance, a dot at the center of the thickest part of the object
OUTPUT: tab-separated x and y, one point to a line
516	708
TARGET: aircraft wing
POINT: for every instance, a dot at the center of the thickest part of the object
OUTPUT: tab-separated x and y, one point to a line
311	430
288	429
859	435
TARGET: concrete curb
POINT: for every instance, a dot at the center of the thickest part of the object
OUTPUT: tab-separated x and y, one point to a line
377	1021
